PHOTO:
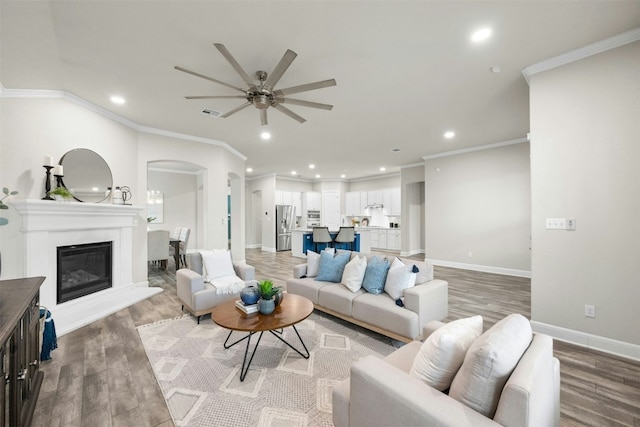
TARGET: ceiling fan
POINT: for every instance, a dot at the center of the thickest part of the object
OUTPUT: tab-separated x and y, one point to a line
263	95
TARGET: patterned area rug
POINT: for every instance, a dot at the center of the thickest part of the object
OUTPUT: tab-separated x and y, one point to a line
201	380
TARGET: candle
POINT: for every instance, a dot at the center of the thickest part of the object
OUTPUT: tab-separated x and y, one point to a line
57	170
48	161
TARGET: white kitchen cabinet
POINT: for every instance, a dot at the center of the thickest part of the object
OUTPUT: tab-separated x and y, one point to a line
287	198
352	203
393	240
296	197
313	200
278	197
382	238
364	201
375	197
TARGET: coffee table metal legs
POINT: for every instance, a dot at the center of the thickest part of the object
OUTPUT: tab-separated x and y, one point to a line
277	334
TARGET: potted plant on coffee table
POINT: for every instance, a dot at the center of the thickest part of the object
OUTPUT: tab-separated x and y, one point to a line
267	303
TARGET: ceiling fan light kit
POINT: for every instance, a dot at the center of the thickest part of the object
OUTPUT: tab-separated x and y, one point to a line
263	94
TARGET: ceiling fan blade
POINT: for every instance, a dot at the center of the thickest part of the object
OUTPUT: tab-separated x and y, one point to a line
304	103
263	117
193	73
216	97
305	87
289	113
223	50
282	66
235	110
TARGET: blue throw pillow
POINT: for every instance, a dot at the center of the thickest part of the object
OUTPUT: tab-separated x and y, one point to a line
375	275
331	267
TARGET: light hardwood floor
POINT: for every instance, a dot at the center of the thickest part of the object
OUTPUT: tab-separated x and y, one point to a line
100	375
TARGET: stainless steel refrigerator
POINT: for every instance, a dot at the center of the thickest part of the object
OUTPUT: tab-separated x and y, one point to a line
285	218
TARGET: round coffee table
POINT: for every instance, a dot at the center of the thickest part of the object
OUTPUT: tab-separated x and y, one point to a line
293	309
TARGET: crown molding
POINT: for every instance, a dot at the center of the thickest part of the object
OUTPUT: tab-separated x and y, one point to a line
479	148
583	52
59	94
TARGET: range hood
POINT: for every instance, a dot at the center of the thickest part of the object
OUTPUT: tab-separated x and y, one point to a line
374	206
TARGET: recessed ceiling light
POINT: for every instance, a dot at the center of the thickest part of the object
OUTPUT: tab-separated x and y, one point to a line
382	169
117	99
495	69
312	166
395	150
449	134
265	135
317	176
249	170
481	35
343	176
294	173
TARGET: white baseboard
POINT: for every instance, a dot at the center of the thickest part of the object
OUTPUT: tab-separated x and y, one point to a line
76	314
253	246
412	252
482	268
594	342
265	249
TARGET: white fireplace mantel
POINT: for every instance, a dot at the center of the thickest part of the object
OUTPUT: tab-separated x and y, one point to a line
47	225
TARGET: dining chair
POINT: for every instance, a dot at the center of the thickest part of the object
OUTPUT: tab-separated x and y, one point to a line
158	246
321	235
346	235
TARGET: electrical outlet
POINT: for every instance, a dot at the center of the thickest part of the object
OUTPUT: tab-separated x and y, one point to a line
589	311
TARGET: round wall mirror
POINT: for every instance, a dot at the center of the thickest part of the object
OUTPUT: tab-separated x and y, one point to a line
86	175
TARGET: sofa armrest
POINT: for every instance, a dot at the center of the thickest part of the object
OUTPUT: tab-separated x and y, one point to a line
299	271
244	271
402	400
187	283
429	300
430	328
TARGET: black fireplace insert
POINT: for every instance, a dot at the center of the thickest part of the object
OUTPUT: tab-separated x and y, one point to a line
83	269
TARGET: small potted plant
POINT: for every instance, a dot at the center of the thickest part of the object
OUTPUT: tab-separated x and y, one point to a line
7	193
267	304
60	193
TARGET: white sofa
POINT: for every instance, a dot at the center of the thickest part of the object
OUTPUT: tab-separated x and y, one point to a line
424	302
382	392
198	296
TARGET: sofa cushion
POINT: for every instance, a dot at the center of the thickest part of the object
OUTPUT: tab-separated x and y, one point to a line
399	278
331	267
338	298
354	273
375	275
216	264
382	311
424	273
443	352
489	363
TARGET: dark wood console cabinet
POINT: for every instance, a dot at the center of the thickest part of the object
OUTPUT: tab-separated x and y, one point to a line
19	350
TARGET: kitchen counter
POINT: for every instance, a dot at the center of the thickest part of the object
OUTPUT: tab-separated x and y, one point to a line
302	237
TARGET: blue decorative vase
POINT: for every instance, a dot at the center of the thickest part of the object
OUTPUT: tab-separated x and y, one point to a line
250	295
266	306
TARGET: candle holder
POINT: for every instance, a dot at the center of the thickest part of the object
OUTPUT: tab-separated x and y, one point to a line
59	180
47	183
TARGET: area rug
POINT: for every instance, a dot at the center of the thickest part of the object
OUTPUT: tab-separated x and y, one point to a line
201	383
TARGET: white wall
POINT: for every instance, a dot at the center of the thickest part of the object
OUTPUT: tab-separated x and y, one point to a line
264	214
413	213
585	150
478	211
381	183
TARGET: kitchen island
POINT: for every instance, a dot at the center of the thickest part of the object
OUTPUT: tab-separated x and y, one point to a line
302	240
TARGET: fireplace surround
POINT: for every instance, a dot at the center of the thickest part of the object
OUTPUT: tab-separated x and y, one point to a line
47	225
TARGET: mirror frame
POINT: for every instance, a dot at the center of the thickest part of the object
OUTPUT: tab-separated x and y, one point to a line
97	164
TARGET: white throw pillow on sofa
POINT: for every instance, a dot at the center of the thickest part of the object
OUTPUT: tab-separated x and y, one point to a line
217	264
399	278
443	352
489	363
354	273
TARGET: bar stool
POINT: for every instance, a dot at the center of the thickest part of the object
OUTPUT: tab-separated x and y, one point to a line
321	235
346	235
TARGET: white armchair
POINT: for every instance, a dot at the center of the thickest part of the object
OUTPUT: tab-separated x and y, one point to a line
382	392
198	296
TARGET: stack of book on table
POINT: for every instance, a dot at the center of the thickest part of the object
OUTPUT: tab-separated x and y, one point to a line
247	308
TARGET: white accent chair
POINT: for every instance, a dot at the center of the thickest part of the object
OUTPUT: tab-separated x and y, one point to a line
199	297
158	247
381	392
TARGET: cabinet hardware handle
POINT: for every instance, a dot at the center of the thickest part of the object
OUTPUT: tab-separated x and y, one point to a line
22	375
34	363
